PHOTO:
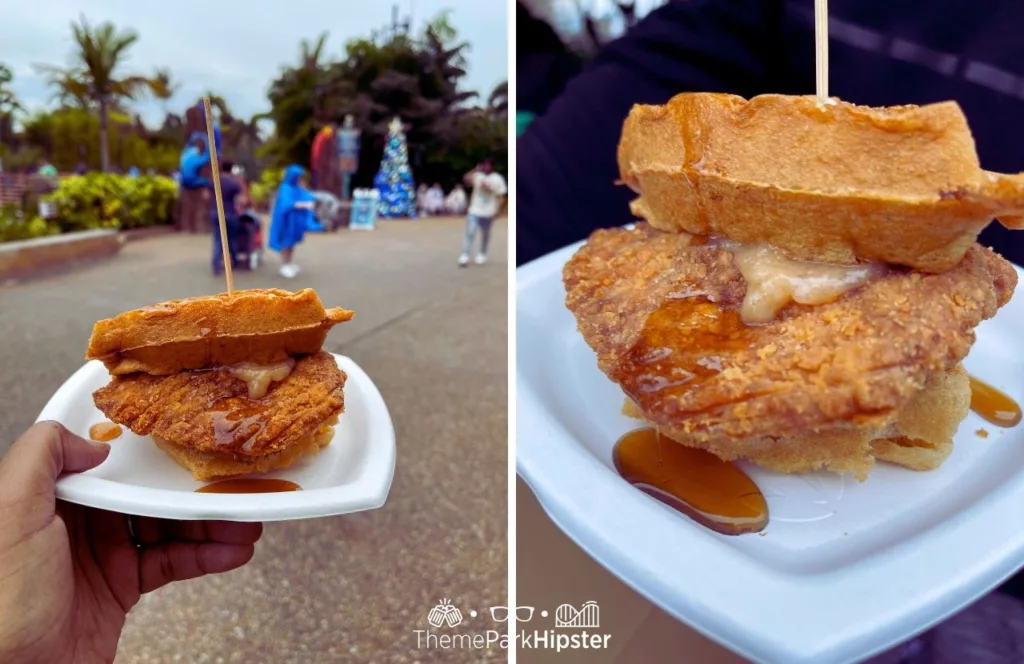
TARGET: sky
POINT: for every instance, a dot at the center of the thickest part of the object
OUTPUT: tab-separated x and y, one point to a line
234	48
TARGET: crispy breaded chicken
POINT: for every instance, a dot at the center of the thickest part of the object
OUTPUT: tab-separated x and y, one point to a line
660	310
208	410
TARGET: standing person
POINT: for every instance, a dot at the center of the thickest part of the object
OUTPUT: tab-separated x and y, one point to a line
421	199
193	158
455	202
435	200
244	199
293	214
488	187
230	189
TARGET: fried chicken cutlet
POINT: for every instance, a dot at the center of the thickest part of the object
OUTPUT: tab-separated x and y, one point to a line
226	385
209	411
811	388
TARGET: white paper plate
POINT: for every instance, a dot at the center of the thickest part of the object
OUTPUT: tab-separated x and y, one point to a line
844	569
351	474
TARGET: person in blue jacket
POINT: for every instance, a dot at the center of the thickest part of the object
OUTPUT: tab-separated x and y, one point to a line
291	218
193	158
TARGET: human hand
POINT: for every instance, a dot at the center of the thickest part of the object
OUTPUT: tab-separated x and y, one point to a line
70	574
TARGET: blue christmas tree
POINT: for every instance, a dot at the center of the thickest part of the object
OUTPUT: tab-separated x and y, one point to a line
394	179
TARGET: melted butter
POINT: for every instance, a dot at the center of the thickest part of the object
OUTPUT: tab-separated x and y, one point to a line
773	280
250	485
258	377
104	431
713	492
993	405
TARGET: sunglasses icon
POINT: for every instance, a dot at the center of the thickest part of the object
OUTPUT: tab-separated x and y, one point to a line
500	613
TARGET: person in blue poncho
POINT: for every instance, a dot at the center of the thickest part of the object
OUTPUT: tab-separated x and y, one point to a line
292	217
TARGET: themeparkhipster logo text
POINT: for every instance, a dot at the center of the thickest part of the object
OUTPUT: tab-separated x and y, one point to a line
450	627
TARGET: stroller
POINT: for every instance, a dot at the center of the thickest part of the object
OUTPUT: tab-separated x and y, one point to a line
249	243
327	210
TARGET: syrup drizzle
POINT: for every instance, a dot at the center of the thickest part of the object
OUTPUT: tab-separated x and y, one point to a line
683	343
104	432
250	485
713	492
237	417
993	405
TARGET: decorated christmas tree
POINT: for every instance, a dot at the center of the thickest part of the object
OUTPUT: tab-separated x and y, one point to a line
394	179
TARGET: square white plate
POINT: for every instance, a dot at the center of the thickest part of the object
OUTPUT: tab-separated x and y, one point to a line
351	474
844	569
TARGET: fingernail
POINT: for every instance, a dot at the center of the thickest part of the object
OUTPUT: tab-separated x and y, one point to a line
99	445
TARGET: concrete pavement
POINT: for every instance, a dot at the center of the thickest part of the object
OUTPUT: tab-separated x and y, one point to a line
432	336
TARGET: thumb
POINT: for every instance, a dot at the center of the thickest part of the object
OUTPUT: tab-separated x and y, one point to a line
40	455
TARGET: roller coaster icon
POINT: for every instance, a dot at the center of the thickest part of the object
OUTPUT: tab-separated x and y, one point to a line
587	616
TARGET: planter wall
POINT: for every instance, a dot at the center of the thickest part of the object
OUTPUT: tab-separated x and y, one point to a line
27	258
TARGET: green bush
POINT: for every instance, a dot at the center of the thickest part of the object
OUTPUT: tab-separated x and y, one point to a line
15	226
103	200
261	192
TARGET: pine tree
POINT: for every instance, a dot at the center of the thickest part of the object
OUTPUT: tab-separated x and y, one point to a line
394	179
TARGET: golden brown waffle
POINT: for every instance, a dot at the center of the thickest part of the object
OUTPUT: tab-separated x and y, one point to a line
920	436
206	466
260	326
833	183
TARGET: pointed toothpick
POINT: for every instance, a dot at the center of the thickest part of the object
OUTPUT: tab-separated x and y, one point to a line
215	168
821	50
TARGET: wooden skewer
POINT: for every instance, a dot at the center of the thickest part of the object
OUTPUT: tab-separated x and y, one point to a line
821	50
215	168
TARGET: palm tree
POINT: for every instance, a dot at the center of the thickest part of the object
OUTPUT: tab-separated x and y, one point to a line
164	86
311	71
310	52
8	102
71	90
219	105
245	139
497	102
93	78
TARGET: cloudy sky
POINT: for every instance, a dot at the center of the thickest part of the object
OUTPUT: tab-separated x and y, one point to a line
233	48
